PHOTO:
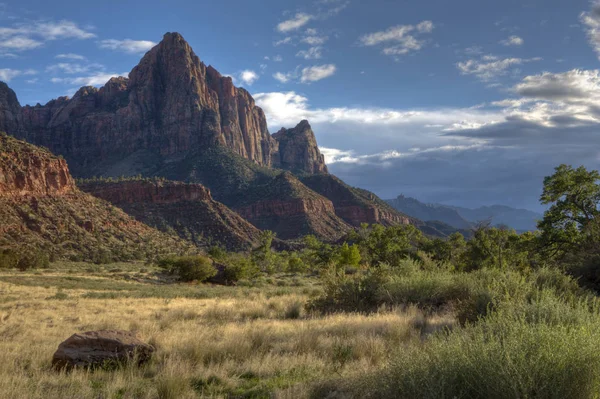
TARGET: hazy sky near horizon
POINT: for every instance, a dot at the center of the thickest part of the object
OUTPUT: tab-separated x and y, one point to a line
464	102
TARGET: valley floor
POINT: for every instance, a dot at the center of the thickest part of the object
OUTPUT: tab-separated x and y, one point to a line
254	341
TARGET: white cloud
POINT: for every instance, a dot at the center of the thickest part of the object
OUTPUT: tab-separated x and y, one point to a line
61	30
591	21
70	56
313	53
7	74
287	108
285	40
31	35
314	40
248	77
98	79
512	41
72	68
127	46
317	72
278	58
298	21
490	67
281	77
400	39
334	156
575	85
19	43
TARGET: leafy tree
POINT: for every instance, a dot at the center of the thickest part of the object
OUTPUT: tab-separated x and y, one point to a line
295	264
388	245
498	248
449	250
263	255
574	196
349	255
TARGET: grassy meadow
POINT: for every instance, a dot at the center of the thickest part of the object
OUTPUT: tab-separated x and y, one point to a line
212	341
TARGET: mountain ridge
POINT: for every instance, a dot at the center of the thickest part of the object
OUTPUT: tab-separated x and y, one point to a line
467	218
176	118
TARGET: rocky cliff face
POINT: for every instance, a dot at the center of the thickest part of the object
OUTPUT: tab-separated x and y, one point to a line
27	170
41	209
289	208
187	209
171	104
150	191
353	205
176	118
297	150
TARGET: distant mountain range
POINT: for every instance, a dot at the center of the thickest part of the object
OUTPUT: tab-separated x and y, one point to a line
465	218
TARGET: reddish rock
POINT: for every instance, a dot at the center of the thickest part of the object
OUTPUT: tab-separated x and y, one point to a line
290	209
27	170
355	206
42	209
105	348
188	209
172	104
298	150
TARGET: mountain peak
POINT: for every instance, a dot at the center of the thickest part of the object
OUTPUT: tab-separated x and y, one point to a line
298	149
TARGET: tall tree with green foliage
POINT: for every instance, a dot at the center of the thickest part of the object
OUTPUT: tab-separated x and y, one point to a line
574	199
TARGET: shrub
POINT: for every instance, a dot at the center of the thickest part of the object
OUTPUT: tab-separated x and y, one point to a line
503	357
296	265
33	260
8	259
189	268
356	292
240	267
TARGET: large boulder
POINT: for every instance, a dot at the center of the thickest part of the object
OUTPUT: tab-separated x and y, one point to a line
105	348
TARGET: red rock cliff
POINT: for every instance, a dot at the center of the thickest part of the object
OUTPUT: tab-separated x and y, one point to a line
147	191
26	170
171	105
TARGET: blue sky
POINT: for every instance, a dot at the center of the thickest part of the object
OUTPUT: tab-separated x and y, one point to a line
461	102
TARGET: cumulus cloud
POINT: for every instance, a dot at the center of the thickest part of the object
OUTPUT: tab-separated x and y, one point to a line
317	72
72	68
248	77
282	77
438	154
298	21
573	85
127	46
71	56
490	67
31	35
285	40
591	23
313	53
314	40
97	79
512	41
399	39
7	74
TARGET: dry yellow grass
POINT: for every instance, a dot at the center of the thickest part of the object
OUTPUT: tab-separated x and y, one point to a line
223	347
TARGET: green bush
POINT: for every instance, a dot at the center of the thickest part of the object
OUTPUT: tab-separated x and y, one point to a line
506	356
8	259
296	265
239	267
33	260
189	268
360	291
